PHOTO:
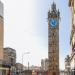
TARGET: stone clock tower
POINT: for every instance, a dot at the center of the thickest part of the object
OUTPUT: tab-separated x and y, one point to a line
53	40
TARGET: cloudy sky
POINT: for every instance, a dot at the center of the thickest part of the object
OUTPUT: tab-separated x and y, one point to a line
26	29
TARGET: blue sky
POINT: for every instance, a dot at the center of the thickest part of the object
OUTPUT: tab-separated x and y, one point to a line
26	29
64	27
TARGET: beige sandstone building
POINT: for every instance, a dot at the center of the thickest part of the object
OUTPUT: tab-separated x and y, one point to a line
67	65
1	35
1	30
72	40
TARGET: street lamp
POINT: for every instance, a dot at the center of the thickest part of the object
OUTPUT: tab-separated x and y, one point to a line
22	58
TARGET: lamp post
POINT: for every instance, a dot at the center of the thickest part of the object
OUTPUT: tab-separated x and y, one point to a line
22	58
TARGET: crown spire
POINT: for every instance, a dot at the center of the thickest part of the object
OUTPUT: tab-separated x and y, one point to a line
53	7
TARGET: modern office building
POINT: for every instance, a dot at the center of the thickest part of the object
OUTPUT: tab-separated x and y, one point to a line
9	56
9	61
53	40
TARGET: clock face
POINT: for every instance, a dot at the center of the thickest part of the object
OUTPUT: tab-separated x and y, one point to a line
53	23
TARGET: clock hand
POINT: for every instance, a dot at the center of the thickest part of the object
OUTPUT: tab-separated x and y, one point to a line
53	22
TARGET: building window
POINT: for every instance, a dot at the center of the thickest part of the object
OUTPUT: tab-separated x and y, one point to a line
11	61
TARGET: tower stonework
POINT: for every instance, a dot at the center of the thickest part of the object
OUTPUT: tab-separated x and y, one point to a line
53	40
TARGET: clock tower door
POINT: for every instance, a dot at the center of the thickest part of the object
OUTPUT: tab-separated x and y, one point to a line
53	40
